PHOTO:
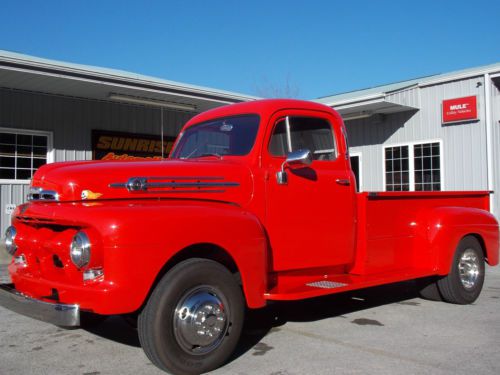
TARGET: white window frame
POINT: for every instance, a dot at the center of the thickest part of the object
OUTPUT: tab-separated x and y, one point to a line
50	148
411	161
360	158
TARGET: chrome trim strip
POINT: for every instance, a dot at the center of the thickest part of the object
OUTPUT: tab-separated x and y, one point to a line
54	313
39	194
142	184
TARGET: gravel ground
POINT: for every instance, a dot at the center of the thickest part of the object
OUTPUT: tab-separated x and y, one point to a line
383	330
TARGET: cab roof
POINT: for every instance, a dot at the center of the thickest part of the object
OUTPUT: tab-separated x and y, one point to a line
264	108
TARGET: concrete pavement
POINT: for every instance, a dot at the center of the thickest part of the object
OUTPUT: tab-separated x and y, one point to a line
384	330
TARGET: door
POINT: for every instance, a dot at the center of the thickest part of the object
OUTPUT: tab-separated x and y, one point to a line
310	219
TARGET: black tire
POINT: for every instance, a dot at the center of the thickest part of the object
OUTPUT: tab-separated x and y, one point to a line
451	287
161	330
429	290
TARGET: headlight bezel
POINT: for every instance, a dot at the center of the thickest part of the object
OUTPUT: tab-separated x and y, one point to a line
80	249
10	240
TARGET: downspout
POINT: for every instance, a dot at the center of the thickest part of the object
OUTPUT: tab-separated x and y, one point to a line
489	141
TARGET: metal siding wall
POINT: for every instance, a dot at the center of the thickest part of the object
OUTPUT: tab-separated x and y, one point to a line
463	147
495	119
71	121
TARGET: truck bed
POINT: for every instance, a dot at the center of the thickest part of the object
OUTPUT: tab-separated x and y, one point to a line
392	244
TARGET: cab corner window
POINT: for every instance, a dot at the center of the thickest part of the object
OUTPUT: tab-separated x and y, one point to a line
314	134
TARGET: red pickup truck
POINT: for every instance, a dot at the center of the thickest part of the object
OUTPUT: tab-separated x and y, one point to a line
256	203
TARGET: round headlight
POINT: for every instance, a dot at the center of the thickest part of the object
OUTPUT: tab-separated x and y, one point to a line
80	250
10	236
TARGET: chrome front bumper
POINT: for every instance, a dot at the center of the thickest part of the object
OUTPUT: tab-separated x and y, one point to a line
55	313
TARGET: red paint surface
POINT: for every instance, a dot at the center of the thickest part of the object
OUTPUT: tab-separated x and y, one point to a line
460	109
280	237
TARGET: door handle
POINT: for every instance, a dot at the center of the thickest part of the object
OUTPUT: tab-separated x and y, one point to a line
343	181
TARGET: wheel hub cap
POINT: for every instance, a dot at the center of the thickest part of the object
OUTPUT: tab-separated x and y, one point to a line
200	320
468	268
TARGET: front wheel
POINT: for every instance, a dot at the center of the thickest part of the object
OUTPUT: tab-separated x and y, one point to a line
192	322
465	281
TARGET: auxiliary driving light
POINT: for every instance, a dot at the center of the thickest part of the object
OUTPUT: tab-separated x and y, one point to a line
92	274
79	250
10	236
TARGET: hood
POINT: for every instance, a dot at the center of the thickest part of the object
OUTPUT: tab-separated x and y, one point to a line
221	180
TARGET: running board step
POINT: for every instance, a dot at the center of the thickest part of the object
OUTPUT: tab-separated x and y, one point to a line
300	285
326	284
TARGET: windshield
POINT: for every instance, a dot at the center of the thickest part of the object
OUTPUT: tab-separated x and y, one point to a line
233	136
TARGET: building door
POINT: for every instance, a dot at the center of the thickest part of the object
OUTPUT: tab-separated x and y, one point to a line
356	168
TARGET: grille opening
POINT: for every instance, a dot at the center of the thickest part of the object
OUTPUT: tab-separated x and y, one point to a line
57	261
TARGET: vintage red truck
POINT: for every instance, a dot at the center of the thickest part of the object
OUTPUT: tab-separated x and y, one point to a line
256	203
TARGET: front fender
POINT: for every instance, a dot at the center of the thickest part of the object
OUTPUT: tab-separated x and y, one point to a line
148	236
446	226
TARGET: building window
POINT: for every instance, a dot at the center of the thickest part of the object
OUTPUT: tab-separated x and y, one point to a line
22	153
397	169
413	167
427	167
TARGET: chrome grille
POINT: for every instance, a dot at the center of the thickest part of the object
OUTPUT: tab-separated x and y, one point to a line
39	194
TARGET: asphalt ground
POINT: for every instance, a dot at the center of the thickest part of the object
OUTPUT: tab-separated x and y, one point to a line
382	330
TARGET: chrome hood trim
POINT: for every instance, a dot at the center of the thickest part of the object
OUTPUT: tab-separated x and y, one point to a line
175	184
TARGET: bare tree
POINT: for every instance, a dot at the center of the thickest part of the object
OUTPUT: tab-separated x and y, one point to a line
269	89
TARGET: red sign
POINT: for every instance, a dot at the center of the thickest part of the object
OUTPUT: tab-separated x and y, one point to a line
460	109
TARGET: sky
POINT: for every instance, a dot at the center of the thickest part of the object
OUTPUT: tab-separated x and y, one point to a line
304	49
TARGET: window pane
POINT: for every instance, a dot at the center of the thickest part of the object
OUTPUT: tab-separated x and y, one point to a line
404	152
388	178
418	150
37	163
7	149
7	162
314	134
436	162
24	139
39	140
23	174
24	150
40	151
7	173
24	163
8	138
277	144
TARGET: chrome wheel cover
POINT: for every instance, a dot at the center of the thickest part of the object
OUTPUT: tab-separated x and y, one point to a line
469	269
201	320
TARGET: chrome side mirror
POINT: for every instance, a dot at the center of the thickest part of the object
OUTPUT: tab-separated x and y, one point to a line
301	157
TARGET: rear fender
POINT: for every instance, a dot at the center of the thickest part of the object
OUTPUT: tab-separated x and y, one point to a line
446	226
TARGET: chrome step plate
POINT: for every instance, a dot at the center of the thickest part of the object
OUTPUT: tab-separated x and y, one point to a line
325	284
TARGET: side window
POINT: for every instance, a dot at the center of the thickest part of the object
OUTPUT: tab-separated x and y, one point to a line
310	133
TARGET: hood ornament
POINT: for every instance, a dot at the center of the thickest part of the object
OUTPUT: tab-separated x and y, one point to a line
89	194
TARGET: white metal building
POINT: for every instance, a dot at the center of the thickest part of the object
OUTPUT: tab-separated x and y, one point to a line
435	133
